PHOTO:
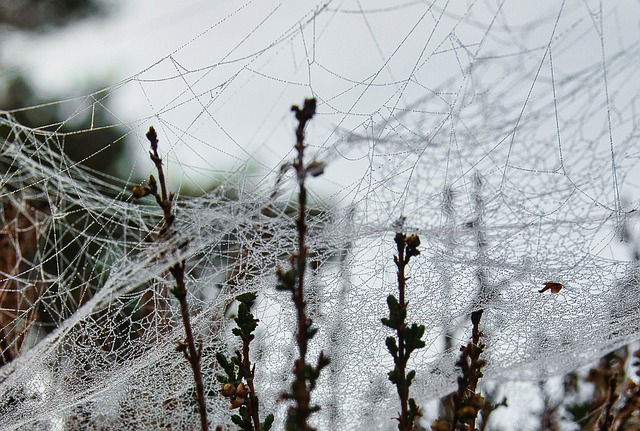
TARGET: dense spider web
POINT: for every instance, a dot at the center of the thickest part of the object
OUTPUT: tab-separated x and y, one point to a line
504	136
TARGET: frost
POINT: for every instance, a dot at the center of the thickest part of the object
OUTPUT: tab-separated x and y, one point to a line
527	146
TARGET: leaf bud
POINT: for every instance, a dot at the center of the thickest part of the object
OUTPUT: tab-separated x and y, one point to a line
466	413
412	241
153	184
440	425
138	192
242	390
477	401
151	134
315	168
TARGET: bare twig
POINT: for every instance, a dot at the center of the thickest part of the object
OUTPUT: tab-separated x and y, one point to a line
306	375
165	200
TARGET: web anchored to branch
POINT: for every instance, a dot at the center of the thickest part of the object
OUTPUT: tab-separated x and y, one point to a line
507	142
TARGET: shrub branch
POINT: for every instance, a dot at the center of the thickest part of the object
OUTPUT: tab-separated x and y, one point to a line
409	338
165	200
292	280
237	384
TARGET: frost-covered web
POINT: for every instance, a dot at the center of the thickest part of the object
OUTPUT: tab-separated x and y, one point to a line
505	134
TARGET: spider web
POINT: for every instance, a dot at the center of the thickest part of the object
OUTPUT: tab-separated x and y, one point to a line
504	136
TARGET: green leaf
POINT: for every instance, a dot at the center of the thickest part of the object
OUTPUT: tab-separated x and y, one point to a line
266	425
393	303
247	298
397	314
414	410
243	412
392	347
227	366
410	376
236	361
245	321
286	280
394	376
237	420
222	360
413	336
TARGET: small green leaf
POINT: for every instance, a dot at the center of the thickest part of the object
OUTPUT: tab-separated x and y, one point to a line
397	314
414	410
286	280
394	376
413	336
228	367
392	347
410	376
266	425
222	360
236	419
393	303
247	298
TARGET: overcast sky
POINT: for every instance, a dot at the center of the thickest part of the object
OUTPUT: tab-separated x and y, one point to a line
270	54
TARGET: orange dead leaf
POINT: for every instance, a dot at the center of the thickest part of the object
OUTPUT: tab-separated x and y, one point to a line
553	286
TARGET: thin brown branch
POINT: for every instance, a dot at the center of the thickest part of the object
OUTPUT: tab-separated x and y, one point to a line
401	263
408	337
305	374
191	352
254	407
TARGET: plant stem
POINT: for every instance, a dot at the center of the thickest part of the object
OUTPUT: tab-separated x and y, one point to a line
408	337
191	353
303	395
253	399
305	374
401	263
605	421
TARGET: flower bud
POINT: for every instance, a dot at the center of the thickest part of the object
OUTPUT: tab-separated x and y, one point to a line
553	286
228	389
242	390
236	402
412	241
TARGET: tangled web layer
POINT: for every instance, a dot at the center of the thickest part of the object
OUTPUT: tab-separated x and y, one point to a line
507	143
